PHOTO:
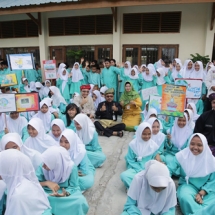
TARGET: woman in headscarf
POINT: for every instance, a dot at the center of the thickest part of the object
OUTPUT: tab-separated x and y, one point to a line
97	98
38	140
177	139
192	107
72	143
13	141
46	89
131	103
177	72
57	127
149	77
59	177
152	191
86	131
24	193
188	68
159	64
77	79
141	149
39	89
189	113
196	188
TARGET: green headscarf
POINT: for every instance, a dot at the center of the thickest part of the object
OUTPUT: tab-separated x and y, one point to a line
126	97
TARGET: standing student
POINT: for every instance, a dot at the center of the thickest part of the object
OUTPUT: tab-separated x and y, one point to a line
94	77
38	73
149	77
31	75
86	131
177	72
57	127
162	78
188	68
159	64
46	89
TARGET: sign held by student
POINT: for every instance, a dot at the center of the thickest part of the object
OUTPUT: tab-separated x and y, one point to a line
155	102
8	80
7	102
149	91
50	69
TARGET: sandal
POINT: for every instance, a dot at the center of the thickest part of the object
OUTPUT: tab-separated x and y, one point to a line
120	134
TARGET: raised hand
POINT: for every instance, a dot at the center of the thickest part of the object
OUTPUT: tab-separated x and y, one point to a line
114	108
103	107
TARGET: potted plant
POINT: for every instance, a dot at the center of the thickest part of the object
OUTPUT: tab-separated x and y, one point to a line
75	54
203	59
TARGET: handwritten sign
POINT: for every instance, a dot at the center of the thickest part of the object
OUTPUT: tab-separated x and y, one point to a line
7	102
155	102
50	69
8	80
194	87
149	91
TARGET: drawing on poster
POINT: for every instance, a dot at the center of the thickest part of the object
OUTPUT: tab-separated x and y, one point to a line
155	102
8	80
7	102
50	69
149	91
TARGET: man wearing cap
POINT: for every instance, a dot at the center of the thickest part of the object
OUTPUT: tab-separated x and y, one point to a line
85	102
107	112
205	124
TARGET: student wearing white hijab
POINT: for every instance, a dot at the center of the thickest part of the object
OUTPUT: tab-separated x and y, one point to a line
59	177
24	86
57	127
39	88
152	112
177	72
192	107
46	88
103	90
189	113
159	64
149	77
141	149
97	98
86	131
24	193
72	143
196	188
152	191
188	68
38	140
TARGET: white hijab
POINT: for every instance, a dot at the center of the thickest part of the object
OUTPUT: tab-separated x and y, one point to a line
177	60
127	71
140	147
196	166
57	97
42	141
57	159
198	74
76	73
88	129
180	135
34	155
40	91
160	80
155	174
18	173
175	73
2	121
187	72
65	77
150	112
148	77
77	149
26	87
98	100
191	123
159	64
136	74
195	115
32	86
51	109
61	67
103	89
46	89
60	124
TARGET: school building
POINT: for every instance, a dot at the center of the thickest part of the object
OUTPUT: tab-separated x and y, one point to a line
141	31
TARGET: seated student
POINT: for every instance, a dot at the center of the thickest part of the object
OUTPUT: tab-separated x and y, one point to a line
17	124
24	193
97	99
13	141
73	96
102	91
152	112
177	139
86	131
145	111
59	177
71	142
39	89
192	107
176	72
94	77
46	88
57	127
152	191
38	140
24	86
107	112
196	188
189	113
71	111
2	125
52	109
141	149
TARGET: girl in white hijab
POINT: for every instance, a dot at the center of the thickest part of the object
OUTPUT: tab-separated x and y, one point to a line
57	127
24	193
188	68
159	64
196	188
141	149
86	131
97	98
151	192
59	177
189	113
71	142
46	88
177	72
39	89
38	140
192	107
24	86
152	112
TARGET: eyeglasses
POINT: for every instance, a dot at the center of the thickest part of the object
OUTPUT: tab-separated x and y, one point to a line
109	96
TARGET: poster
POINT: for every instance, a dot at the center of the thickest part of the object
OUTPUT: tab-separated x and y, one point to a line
173	100
194	87
20	61
155	102
50	69
8	80
7	102
149	91
27	102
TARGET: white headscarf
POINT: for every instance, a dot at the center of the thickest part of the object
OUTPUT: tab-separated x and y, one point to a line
34	155
103	89
57	159
91	89
187	72
57	97
16	125
76	73
198	74
65	77
88	129
195	115
140	147
18	173
61	66
49	102
127	71
191	123
136	74
148	77
159	64
196	166
2	121
180	135
209	64
77	149
178	61
46	89
40	91
42	141
75	94
175	73
99	98
32	86
160	80
60	124
26	87
159	137
151	111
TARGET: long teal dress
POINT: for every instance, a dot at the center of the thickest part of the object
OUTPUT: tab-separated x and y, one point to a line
65	92
31	75
137	83
186	192
72	124
94	78
73	204
94	151
134	166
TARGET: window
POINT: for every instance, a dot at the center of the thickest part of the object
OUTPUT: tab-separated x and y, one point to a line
165	22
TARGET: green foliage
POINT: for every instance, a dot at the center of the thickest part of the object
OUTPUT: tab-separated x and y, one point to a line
203	59
77	54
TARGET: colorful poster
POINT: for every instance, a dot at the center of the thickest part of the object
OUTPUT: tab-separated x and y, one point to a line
27	102
50	69
21	61
8	80
7	102
194	87
173	100
149	91
155	102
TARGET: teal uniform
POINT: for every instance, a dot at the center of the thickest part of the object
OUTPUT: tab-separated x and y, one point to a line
75	87
72	124
137	83
31	75
65	92
38	75
22	89
94	78
159	87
